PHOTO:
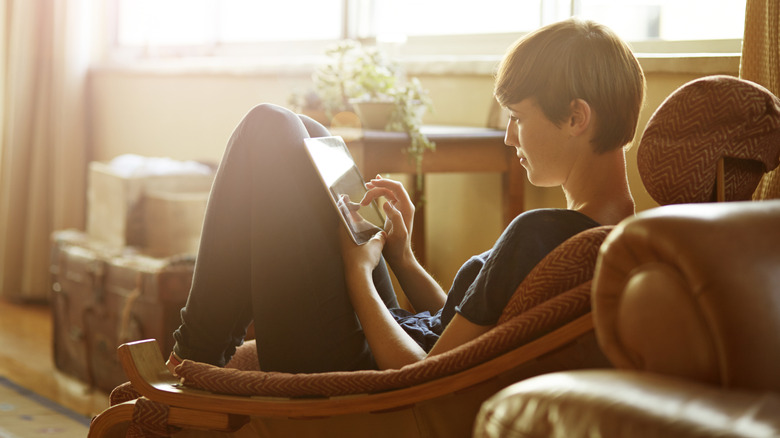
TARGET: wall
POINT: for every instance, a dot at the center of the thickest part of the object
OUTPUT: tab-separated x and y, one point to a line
188	115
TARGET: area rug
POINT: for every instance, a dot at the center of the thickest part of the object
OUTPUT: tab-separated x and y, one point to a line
26	414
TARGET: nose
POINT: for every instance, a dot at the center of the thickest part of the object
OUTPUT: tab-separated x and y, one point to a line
510	137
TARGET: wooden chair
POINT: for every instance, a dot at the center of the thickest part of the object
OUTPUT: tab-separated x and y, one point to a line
545	327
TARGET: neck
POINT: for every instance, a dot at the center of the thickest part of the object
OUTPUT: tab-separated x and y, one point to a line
598	188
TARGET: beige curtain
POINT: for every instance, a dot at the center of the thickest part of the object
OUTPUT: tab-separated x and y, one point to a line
43	152
761	64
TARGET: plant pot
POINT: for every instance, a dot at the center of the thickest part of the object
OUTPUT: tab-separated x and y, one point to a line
374	114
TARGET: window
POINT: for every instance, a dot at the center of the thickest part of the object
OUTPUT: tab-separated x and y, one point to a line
208	27
184	22
670	20
634	19
160	28
443	17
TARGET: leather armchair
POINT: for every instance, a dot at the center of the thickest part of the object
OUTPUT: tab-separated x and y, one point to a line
686	305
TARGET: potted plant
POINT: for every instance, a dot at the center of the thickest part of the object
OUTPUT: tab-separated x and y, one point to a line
360	79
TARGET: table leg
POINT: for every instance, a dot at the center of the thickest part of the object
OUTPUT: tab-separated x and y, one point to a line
418	234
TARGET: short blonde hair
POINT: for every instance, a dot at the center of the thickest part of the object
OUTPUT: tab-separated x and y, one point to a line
576	59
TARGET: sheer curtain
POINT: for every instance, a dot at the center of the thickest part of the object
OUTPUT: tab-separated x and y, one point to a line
43	152
761	64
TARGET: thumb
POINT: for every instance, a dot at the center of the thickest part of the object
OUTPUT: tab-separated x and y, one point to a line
380	236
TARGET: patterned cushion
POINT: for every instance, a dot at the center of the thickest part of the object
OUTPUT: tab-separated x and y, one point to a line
555	292
570	264
517	331
150	419
702	121
245	357
122	393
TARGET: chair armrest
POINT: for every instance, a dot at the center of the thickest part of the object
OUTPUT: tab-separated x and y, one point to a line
113	421
619	403
692	291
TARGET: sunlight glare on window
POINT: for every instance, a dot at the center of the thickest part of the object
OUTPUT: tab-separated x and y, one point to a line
638	20
209	22
445	17
170	22
703	19
424	27
274	20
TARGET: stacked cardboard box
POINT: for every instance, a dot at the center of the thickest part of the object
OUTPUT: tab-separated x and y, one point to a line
127	277
156	205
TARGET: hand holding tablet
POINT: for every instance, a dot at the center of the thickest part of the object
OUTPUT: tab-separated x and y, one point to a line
343	181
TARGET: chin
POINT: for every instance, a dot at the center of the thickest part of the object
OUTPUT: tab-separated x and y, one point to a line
537	182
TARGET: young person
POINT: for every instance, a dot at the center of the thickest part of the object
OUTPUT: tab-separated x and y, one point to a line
273	251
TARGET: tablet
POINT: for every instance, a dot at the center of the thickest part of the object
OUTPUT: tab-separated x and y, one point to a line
345	185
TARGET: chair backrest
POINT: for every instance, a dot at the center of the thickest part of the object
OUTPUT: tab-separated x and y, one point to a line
705	120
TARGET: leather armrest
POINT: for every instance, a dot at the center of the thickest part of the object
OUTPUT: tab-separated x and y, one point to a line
694	291
619	403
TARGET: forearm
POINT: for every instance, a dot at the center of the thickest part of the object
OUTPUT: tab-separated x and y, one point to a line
391	346
422	290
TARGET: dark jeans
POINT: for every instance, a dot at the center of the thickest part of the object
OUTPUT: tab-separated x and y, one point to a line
269	252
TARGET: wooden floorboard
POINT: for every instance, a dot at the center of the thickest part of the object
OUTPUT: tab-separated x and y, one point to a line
26	358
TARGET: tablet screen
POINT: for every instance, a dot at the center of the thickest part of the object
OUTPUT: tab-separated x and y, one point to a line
346	186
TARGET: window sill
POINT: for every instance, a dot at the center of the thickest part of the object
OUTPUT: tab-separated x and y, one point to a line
694	63
689	63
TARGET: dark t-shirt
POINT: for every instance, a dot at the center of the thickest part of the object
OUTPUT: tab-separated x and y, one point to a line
485	283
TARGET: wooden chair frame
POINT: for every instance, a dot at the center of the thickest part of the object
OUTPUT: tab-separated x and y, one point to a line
196	409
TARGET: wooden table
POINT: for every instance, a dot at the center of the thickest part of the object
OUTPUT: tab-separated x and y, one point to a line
458	149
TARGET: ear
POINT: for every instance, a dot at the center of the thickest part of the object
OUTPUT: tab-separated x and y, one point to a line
580	117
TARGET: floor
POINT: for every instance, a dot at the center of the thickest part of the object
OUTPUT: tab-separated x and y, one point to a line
26	358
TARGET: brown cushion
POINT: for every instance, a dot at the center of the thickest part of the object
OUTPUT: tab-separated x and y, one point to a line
702	121
617	404
692	291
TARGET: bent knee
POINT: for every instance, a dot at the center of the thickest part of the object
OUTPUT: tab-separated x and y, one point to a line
270	112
